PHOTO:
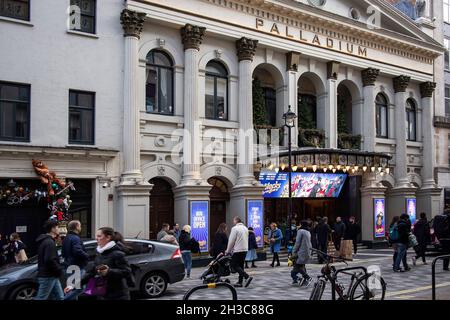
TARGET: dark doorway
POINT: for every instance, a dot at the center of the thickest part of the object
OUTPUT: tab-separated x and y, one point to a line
218	197
161	206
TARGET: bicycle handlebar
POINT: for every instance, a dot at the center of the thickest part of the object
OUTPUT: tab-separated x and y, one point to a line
332	257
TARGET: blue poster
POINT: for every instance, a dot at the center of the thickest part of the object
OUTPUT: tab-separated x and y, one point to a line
199	223
411	209
255	210
380	218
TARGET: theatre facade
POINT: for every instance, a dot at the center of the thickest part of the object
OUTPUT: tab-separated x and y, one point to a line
206	84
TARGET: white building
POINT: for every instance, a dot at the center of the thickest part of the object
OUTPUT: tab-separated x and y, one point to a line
179	75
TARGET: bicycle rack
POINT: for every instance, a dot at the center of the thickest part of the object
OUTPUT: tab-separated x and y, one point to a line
433	274
212	286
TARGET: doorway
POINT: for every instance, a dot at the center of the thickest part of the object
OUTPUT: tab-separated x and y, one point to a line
161	206
218	198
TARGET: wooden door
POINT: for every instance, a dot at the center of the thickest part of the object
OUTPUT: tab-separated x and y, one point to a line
161	206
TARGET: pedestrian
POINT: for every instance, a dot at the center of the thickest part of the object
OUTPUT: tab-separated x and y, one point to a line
220	241
177	231
170	238
275	238
74	254
301	254
252	246
323	232
109	271
185	248
423	236
17	248
404	229
238	247
163	232
338	233
444	235
2	251
352	232
313	232
49	267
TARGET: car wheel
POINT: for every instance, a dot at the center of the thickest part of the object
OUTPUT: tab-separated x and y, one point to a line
154	285
23	292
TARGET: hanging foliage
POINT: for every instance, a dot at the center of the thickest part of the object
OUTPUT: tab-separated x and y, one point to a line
341	117
259	105
306	109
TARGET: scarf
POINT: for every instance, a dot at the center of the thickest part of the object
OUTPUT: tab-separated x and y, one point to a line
107	246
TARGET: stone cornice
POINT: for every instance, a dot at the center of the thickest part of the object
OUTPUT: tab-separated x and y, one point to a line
43	151
132	22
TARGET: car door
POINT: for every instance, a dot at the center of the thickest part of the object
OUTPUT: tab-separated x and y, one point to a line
139	257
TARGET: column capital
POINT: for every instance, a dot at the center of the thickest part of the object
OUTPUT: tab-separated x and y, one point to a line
427	89
192	36
333	70
246	48
401	83
132	22
292	61
369	76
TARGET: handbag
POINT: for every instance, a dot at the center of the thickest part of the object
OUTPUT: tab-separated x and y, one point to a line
96	287
21	256
412	240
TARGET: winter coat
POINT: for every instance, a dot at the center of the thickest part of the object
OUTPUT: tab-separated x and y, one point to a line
116	278
422	231
252	241
302	247
220	244
238	241
48	259
278	236
161	234
352	231
73	251
323	230
404	229
185	241
339	230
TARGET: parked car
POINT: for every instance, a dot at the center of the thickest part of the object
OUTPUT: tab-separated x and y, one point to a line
155	265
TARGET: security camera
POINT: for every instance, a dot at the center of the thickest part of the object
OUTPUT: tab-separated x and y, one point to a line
105	185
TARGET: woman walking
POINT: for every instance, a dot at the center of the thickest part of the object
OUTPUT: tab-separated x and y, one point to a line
275	237
17	248
220	241
107	277
252	246
185	247
422	233
301	255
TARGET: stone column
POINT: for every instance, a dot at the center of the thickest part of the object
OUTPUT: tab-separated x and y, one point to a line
246	49
292	62
133	193
191	37
331	131
369	77
428	197
401	162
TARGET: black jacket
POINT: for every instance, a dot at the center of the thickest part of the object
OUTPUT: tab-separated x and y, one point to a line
352	231
73	251
422	231
339	230
252	241
48	259
185	241
220	244
116	278
323	230
404	229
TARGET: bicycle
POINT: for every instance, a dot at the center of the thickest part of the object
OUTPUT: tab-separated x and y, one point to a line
359	289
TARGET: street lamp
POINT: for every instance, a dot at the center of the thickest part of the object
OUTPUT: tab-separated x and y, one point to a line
289	122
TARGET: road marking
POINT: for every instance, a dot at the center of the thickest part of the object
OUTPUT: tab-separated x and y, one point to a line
419	289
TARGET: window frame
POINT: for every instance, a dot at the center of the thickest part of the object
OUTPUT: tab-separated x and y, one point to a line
446	11
28	87
87	15
79	108
158	67
378	106
411	109
216	76
20	19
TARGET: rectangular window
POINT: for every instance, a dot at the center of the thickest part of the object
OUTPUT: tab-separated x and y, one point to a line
447	101
447	11
83	15
447	54
81	117
16	9
14	112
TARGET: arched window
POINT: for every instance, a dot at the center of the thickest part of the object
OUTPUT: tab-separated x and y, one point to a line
216	91
411	134
159	86
381	116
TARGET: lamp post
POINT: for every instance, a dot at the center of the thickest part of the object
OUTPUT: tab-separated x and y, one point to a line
289	123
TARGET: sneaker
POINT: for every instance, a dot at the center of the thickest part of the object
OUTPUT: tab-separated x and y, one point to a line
254	266
307	282
414	260
407	269
238	285
425	263
399	270
248	281
294	282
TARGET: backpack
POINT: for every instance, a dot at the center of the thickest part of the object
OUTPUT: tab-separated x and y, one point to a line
441	226
393	232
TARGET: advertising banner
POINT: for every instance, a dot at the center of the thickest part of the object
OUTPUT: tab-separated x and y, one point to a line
255	220
380	216
199	211
411	209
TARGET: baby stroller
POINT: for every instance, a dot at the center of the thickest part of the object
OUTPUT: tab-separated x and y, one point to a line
218	268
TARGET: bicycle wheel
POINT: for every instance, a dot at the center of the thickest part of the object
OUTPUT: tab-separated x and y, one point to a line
368	288
318	289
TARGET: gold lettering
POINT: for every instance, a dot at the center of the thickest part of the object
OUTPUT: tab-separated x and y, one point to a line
330	43
362	51
287	33
275	28
316	40
301	36
259	23
349	48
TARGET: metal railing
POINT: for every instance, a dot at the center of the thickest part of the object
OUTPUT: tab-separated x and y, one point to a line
433	274
212	286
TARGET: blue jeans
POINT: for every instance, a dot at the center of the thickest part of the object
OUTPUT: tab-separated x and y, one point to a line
187	259
49	288
401	254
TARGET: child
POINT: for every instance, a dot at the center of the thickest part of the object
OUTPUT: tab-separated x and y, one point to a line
252	246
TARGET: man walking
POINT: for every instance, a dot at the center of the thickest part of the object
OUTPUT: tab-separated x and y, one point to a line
352	232
49	268
404	229
238	246
338	233
74	254
301	253
163	232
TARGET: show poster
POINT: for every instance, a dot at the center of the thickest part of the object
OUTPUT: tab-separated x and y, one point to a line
411	209
304	184
380	215
255	219
199	223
